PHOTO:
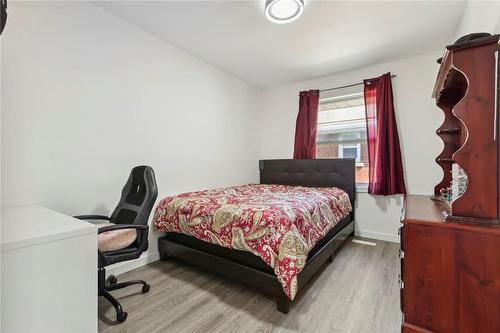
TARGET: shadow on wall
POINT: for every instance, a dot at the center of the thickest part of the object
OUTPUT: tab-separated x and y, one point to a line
102	209
383	202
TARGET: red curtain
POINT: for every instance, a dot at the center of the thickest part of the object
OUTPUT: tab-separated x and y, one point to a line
307	125
386	168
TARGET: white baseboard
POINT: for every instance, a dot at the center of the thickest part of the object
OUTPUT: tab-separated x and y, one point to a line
377	235
126	266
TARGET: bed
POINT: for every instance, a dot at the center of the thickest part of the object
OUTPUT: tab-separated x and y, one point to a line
247	262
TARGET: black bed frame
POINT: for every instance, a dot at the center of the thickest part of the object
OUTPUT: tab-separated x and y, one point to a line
250	269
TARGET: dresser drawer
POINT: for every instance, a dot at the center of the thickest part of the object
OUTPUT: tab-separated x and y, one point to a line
401	279
401	256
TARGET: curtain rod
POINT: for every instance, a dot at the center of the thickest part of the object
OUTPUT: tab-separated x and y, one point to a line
349	85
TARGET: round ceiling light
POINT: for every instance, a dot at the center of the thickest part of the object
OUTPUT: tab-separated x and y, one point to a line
284	11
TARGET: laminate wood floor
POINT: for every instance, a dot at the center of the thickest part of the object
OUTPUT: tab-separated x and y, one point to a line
358	292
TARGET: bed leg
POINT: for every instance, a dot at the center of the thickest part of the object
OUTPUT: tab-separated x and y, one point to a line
283	305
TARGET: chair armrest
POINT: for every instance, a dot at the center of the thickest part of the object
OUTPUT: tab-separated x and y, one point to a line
138	227
91	217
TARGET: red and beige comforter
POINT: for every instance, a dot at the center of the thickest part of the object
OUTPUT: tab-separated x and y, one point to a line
278	223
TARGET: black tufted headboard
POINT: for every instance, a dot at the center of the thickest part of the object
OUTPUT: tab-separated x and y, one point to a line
338	172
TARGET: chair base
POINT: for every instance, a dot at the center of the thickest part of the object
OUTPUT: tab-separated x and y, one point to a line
110	284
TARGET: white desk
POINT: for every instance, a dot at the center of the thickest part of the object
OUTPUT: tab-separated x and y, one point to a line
49	271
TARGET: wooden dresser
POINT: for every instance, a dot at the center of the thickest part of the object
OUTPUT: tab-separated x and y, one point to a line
450	241
450	272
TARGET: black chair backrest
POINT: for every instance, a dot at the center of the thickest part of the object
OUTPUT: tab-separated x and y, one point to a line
138	197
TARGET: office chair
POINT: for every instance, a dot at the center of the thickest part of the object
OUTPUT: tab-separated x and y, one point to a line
132	213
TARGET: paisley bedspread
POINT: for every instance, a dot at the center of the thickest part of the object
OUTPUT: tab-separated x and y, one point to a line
278	223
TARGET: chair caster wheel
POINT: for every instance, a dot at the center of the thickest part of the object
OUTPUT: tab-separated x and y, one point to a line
121	317
145	288
111	280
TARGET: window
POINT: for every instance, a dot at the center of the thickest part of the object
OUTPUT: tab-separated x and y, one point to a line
342	129
350	151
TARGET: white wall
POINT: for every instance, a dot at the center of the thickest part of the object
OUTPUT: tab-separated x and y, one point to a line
417	118
86	96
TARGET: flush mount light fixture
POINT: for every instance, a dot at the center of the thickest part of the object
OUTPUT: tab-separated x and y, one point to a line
284	11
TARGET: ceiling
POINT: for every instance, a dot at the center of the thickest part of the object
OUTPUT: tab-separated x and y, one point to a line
331	36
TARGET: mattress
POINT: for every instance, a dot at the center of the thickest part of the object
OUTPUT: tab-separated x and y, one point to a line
278	223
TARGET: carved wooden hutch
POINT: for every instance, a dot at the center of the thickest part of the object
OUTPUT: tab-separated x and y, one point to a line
450	251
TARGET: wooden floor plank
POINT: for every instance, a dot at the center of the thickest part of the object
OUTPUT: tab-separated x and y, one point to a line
358	292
